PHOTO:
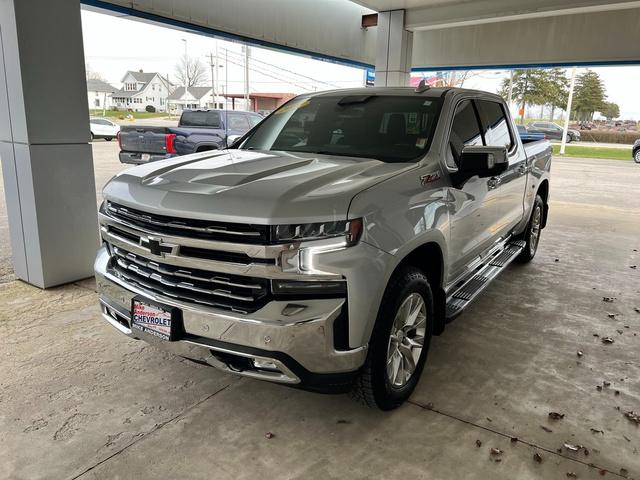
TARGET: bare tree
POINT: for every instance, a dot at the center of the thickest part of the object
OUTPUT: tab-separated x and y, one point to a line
191	71
92	74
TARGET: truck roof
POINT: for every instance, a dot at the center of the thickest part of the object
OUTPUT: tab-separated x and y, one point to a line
400	91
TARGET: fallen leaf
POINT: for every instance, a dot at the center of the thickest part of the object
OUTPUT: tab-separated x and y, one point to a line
607	340
608	299
595	430
606	384
546	429
572	475
633	416
344	422
603	472
269	435
556	416
537	457
478	443
619	332
429	406
557	260
617	392
599	388
624	472
612	315
633	266
495	451
573	448
514	439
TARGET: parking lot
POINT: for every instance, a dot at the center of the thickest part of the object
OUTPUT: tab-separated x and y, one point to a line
80	400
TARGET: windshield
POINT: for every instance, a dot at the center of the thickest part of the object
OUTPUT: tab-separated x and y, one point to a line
387	128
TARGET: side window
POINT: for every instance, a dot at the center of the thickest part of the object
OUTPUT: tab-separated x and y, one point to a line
254	120
495	128
464	131
238	121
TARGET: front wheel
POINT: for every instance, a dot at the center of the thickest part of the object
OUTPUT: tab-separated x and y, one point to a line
636	156
399	342
108	139
531	235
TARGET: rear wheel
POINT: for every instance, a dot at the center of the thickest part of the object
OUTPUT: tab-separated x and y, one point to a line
531	235
108	139
399	342
636	156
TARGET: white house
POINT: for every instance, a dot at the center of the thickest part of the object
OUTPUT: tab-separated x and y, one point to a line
100	94
193	98
140	89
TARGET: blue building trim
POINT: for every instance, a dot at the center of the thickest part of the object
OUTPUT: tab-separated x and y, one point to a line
211	32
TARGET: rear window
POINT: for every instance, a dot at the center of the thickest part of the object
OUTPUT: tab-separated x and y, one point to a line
200	119
388	128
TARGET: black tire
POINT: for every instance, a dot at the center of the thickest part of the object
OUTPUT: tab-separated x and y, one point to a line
636	156
108	139
373	386
529	235
569	138
92	137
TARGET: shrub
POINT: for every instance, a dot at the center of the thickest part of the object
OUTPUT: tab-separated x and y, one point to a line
115	109
150	109
608	136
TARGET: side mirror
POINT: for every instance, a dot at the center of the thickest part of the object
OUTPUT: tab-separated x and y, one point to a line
483	161
231	139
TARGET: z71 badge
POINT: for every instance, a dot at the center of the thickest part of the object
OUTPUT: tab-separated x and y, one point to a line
429	178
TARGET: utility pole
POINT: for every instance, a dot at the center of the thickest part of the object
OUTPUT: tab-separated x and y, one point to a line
510	96
186	70
226	76
246	77
568	115
213	79
167	106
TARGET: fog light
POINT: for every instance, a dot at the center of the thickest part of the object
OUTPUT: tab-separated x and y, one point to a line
264	364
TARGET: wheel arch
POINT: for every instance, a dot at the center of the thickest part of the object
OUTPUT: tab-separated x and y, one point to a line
543	191
429	258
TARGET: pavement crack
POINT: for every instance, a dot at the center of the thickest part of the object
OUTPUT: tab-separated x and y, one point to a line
511	437
146	434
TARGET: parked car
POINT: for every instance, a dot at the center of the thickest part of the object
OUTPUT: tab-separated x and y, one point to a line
553	131
636	151
103	128
327	247
197	131
527	136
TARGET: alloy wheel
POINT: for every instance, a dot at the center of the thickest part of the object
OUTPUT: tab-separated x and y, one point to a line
406	340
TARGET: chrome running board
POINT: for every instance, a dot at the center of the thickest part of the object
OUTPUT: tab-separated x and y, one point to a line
468	290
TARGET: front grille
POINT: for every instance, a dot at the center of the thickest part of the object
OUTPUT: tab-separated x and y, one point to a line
187	227
231	292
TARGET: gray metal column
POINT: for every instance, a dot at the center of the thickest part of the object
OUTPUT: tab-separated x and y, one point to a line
46	160
394	45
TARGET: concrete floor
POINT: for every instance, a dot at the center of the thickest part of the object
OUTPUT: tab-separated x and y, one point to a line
79	400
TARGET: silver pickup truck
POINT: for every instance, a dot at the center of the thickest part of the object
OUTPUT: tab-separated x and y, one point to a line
328	245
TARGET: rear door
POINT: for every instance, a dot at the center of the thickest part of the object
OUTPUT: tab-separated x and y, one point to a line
511	184
474	213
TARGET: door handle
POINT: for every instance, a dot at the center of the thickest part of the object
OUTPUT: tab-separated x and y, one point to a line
493	182
522	169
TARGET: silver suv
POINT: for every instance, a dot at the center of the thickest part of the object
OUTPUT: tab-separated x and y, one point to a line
330	243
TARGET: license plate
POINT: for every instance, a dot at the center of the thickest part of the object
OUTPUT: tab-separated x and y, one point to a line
153	319
145	157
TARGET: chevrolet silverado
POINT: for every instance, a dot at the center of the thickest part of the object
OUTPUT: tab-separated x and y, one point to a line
331	242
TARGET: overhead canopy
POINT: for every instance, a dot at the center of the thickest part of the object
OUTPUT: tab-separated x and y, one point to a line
494	33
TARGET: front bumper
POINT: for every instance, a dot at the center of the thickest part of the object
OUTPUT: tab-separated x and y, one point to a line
298	342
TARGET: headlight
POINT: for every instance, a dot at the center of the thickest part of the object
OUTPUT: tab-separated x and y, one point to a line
350	230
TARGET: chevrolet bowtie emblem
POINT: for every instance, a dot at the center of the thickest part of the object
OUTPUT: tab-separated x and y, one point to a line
157	247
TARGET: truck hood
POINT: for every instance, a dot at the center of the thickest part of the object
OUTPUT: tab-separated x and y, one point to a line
250	186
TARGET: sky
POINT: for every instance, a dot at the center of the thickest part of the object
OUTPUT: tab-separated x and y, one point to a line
114	45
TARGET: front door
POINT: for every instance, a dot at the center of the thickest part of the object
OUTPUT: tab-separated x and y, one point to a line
474	213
